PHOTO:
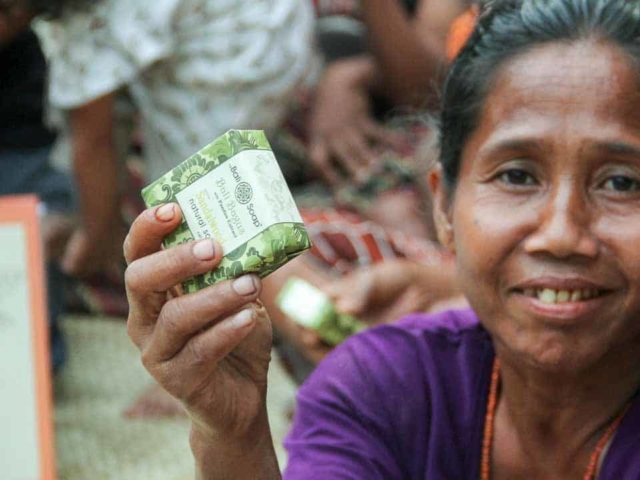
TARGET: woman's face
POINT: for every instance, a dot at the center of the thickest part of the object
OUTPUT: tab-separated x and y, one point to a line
545	220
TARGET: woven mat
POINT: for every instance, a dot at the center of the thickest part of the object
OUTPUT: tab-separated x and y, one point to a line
102	378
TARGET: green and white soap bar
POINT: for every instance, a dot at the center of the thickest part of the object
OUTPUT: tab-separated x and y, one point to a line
234	192
312	308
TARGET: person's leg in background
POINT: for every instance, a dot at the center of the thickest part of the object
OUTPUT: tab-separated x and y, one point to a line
27	171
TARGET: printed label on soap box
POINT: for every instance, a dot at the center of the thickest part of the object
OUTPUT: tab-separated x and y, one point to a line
244	196
234	192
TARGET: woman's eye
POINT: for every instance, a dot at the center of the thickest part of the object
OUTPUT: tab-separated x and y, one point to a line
622	183
517	177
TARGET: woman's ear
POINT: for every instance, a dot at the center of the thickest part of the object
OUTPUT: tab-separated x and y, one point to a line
441	210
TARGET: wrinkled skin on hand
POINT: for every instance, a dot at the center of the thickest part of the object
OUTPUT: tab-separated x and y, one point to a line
209	349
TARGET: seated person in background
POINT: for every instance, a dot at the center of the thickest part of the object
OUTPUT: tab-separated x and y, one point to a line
193	70
359	137
393	236
25	148
538	198
355	261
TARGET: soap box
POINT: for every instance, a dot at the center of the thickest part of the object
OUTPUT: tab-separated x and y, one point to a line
234	192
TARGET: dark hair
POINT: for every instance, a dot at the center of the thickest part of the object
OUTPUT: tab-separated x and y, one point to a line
507	28
47	8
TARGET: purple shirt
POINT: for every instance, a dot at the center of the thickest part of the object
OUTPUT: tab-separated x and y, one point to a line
408	401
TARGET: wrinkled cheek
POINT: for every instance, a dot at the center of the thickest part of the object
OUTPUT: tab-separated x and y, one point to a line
484	236
474	273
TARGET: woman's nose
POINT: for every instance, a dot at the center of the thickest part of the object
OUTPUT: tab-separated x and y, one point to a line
564	227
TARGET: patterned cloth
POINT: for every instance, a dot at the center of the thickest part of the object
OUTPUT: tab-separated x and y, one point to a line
344	241
194	68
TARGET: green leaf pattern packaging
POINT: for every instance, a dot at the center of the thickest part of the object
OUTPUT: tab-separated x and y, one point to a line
233	191
311	308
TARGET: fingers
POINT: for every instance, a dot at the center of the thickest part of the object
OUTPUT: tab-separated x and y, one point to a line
151	279
187	316
350	151
353	152
162	270
355	303
352	294
215	343
235	349
381	135
310	338
319	156
313	347
148	230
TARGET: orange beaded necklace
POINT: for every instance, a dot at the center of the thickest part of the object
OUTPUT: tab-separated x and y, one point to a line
487	439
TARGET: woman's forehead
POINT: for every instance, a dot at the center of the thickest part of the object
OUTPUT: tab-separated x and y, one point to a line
564	81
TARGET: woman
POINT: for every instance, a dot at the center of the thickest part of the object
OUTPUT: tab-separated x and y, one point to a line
25	151
538	196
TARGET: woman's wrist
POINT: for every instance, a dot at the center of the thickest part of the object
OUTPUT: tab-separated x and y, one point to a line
249	456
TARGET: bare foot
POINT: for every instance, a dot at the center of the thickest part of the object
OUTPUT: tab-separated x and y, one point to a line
155	402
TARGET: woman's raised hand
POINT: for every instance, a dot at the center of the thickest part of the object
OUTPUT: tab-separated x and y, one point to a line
210	349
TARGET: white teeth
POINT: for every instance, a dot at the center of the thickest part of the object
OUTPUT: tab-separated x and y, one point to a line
547	295
550	296
576	295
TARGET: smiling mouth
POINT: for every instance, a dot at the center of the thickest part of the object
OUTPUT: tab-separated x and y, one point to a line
552	296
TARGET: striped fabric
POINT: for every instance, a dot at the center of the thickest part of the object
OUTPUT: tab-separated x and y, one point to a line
343	241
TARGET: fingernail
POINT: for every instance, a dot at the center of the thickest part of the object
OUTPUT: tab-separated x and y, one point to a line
204	249
242	319
165	212
245	285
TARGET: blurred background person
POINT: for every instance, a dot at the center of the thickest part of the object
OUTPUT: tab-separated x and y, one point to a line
374	228
25	148
192	68
359	134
